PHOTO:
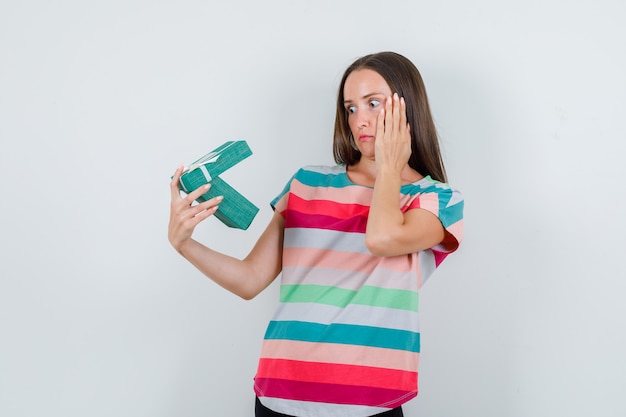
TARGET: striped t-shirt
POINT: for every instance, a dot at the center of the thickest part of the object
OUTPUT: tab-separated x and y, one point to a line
345	341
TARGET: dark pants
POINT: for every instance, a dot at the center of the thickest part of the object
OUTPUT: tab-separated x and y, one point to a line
262	411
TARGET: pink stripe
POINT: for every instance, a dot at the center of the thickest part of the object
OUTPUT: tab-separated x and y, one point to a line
399	263
456	230
357	262
428	201
337	353
281	204
350	280
345	195
329	393
321	258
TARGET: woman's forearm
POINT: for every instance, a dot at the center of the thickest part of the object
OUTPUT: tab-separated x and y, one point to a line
243	277
385	218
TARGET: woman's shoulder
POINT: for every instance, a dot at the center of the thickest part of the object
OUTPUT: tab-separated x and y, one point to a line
428	182
321	175
324	169
319	171
427	185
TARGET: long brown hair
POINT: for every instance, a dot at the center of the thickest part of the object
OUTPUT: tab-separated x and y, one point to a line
403	78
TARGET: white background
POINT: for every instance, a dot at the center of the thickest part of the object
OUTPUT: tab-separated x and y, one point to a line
101	100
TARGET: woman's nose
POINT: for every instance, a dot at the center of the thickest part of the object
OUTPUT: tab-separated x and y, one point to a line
363	121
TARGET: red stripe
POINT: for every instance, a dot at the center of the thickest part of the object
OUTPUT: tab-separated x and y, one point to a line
330	373
329	208
331	393
317	221
439	256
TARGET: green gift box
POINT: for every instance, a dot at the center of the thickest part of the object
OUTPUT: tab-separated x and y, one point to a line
235	210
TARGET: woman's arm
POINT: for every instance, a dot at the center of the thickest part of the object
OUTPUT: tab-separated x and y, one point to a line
389	231
245	278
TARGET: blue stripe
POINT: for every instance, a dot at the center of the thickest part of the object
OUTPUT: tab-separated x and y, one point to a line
448	215
347	334
315	179
318	179
452	214
445	193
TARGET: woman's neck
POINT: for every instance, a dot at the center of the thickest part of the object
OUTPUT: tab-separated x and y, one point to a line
365	171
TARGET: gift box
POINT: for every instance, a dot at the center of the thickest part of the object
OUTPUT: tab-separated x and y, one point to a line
235	210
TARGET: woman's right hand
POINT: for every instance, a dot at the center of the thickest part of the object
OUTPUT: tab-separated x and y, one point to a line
184	215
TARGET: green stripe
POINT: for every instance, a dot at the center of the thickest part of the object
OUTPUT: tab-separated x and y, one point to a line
385	297
340	297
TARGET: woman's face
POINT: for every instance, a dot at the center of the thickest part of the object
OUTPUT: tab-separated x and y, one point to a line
364	93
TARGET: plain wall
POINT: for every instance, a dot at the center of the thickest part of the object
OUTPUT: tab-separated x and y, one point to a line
101	101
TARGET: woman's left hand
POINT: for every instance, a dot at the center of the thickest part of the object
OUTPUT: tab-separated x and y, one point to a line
393	136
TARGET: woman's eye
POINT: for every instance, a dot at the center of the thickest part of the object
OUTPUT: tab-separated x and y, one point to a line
374	103
351	109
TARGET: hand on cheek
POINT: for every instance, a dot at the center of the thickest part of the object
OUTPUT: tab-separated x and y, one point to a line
393	138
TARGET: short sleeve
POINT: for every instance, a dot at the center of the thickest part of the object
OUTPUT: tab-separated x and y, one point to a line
447	204
280	201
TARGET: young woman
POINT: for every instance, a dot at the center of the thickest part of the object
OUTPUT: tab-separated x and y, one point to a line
354	243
